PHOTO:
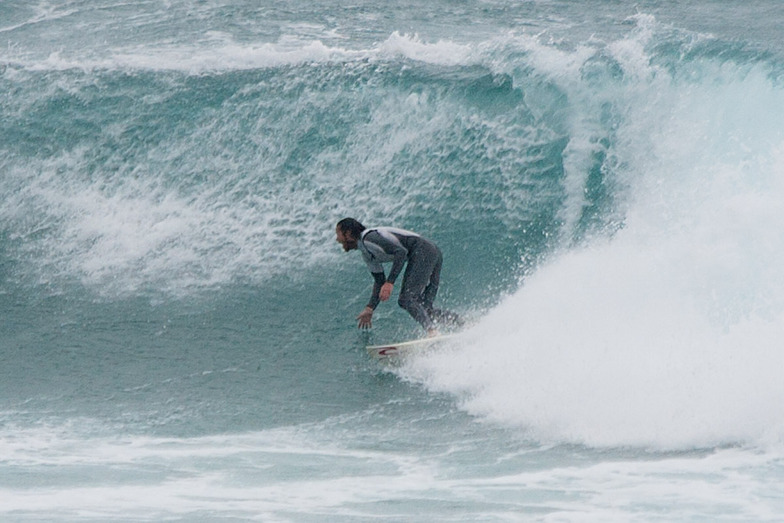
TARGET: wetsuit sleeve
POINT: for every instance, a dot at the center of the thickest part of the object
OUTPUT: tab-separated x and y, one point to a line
379	281
388	246
401	255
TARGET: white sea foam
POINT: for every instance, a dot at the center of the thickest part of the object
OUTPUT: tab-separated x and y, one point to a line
83	470
219	52
668	333
231	473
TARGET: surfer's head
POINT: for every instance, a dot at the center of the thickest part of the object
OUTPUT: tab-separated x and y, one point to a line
348	232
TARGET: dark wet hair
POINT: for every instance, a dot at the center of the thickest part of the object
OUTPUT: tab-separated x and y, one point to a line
351	226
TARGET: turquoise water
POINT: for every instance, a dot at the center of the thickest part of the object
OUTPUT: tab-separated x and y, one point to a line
178	338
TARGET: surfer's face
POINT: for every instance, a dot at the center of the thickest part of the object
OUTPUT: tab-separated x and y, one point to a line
345	239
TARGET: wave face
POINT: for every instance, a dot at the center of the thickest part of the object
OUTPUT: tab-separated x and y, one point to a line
606	185
131	179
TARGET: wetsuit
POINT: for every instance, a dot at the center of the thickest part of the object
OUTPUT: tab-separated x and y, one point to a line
423	272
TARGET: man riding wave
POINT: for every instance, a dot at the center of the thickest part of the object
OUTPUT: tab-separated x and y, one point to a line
399	247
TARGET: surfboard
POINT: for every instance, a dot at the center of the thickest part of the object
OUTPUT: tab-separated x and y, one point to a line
405	347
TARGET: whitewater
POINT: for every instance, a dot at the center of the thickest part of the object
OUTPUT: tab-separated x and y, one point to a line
178	340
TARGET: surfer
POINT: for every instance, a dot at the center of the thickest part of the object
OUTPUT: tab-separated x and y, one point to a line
420	280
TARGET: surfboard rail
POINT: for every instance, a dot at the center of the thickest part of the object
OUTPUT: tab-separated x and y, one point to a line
398	349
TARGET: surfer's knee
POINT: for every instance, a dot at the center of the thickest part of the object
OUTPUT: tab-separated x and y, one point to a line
414	307
405	301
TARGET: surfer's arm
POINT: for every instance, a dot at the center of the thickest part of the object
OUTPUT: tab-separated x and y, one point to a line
400	254
378	244
380	279
365	317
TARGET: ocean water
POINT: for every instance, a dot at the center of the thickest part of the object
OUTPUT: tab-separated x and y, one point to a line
177	333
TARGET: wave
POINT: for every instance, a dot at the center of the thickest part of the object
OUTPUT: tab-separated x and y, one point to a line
125	180
663	331
131	178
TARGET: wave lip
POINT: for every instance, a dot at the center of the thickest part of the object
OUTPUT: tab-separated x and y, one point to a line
221	53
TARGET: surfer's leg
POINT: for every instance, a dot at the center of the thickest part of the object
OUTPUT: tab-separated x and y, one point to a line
429	294
416	280
441	316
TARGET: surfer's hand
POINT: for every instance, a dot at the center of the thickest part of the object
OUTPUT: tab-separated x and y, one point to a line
365	318
385	292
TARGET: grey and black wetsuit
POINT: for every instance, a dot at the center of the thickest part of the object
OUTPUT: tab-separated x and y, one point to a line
423	271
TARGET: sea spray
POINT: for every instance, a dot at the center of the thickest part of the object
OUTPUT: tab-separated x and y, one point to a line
664	331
